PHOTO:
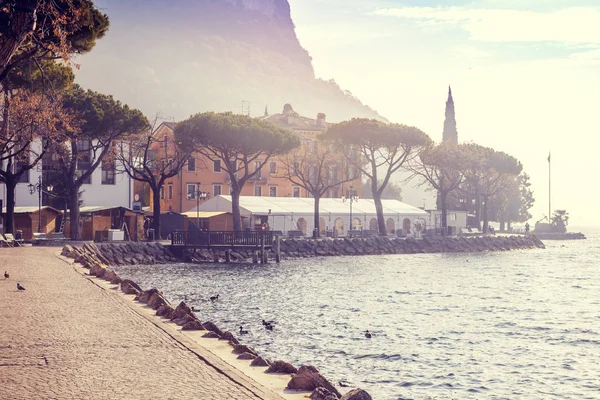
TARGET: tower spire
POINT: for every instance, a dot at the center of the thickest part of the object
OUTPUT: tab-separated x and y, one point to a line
266	112
450	133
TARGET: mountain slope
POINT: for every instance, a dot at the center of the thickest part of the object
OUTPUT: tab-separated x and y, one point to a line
184	56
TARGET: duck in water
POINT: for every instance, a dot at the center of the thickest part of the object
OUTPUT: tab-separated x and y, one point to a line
213	298
242	331
368	334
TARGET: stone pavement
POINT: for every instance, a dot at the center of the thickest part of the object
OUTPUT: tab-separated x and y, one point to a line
65	337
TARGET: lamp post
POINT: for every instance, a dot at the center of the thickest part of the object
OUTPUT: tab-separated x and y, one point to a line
199	195
40	189
352	197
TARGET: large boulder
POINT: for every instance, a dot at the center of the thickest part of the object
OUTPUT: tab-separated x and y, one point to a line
165	311
130	287
229	336
145	295
210	326
181	311
242	348
246	356
157	300
211	335
281	367
309	378
260	362
194	325
357	394
321	393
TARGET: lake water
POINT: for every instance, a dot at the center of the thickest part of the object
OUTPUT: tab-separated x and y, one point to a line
506	325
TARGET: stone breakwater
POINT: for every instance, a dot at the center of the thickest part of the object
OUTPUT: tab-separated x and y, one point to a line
306	378
130	253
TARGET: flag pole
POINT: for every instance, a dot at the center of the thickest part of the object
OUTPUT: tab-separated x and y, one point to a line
549	190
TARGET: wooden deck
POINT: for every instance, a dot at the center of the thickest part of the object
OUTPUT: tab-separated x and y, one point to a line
222	239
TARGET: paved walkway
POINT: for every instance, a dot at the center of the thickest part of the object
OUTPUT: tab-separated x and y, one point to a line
66	338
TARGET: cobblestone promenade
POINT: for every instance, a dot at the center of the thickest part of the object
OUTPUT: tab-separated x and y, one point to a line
66	338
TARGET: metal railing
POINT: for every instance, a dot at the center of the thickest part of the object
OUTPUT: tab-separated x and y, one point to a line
221	238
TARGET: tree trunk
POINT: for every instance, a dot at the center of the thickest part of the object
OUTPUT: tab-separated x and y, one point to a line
443	195
380	219
317	230
503	225
235	209
156	213
9	224
477	209
485	214
74	213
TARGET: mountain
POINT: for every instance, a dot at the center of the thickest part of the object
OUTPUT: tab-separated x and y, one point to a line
179	57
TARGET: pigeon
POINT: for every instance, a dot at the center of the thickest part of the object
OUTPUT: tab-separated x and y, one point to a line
6	275
19	287
213	298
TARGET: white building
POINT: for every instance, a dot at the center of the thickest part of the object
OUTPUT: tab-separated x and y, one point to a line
297	214
105	188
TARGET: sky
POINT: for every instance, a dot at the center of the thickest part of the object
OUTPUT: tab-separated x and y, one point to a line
525	77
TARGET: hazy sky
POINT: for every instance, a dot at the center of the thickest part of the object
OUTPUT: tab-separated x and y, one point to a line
525	77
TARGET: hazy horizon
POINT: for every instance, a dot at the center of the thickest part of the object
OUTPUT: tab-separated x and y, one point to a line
527	90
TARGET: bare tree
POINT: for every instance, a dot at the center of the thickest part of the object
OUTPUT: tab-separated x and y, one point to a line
317	168
146	158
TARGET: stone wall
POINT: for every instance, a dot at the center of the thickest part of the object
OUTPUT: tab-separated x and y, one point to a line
156	253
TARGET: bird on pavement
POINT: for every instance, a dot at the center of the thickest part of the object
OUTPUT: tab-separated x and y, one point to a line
6	275
19	287
213	298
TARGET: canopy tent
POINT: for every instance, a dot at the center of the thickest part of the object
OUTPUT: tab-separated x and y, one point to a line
294	213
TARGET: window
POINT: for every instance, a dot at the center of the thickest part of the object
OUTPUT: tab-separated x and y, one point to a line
84	161
191	191
273	167
108	171
24	178
162	192
217	190
170	191
257	168
162	164
273	191
166	142
296	168
217	166
258	190
296	191
191	164
315	146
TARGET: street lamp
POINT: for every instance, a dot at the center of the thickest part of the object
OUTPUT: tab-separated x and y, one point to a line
353	198
199	195
40	189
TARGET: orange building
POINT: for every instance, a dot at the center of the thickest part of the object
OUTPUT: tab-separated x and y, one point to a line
179	193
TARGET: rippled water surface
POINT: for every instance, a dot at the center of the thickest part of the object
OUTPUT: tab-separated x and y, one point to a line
509	325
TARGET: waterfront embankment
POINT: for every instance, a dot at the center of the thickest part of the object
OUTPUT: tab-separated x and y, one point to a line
67	337
282	377
130	253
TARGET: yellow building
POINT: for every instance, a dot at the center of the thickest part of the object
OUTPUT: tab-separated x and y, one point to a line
179	193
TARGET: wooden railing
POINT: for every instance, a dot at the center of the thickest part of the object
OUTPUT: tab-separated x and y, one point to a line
221	238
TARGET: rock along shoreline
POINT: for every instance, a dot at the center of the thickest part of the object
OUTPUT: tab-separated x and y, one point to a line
97	258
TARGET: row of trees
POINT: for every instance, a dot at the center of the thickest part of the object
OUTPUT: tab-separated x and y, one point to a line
44	116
